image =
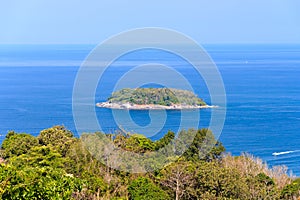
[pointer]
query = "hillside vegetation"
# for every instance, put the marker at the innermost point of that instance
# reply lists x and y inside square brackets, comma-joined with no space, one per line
[57,165]
[158,96]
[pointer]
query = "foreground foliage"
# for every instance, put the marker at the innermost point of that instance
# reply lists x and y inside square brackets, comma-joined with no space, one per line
[56,165]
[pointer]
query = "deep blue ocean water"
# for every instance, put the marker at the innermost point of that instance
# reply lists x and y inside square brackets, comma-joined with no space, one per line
[262,85]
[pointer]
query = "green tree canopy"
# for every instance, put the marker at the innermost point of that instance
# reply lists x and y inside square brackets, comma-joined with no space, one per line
[143,188]
[17,144]
[58,137]
[201,144]
[36,183]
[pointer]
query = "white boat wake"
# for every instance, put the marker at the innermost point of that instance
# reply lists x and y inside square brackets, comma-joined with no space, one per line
[284,152]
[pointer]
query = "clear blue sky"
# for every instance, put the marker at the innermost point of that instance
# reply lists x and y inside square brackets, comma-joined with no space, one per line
[91,21]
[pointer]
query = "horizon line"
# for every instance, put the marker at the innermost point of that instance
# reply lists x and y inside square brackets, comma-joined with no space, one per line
[219,43]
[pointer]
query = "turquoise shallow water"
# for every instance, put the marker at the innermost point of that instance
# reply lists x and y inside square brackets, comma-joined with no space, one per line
[262,85]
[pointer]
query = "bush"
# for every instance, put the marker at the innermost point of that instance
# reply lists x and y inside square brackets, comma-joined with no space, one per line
[291,191]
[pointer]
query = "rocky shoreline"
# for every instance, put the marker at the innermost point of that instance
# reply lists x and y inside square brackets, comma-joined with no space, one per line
[129,106]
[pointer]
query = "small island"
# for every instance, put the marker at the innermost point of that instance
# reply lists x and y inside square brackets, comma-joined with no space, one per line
[154,99]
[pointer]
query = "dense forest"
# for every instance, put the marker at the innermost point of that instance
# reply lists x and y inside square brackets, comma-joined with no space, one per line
[160,96]
[57,165]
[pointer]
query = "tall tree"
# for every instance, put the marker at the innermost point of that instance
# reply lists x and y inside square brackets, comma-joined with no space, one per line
[58,137]
[179,177]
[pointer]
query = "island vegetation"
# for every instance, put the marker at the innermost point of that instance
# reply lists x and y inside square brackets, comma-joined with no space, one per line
[160,96]
[56,165]
[153,98]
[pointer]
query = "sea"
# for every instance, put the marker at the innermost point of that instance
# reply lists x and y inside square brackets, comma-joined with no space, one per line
[262,84]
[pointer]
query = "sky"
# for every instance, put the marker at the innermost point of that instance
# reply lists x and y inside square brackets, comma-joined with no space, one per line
[92,21]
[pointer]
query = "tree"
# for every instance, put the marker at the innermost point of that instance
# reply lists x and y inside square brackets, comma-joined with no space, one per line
[218,182]
[58,137]
[143,188]
[40,156]
[36,183]
[79,160]
[165,140]
[17,144]
[179,177]
[139,144]
[202,147]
